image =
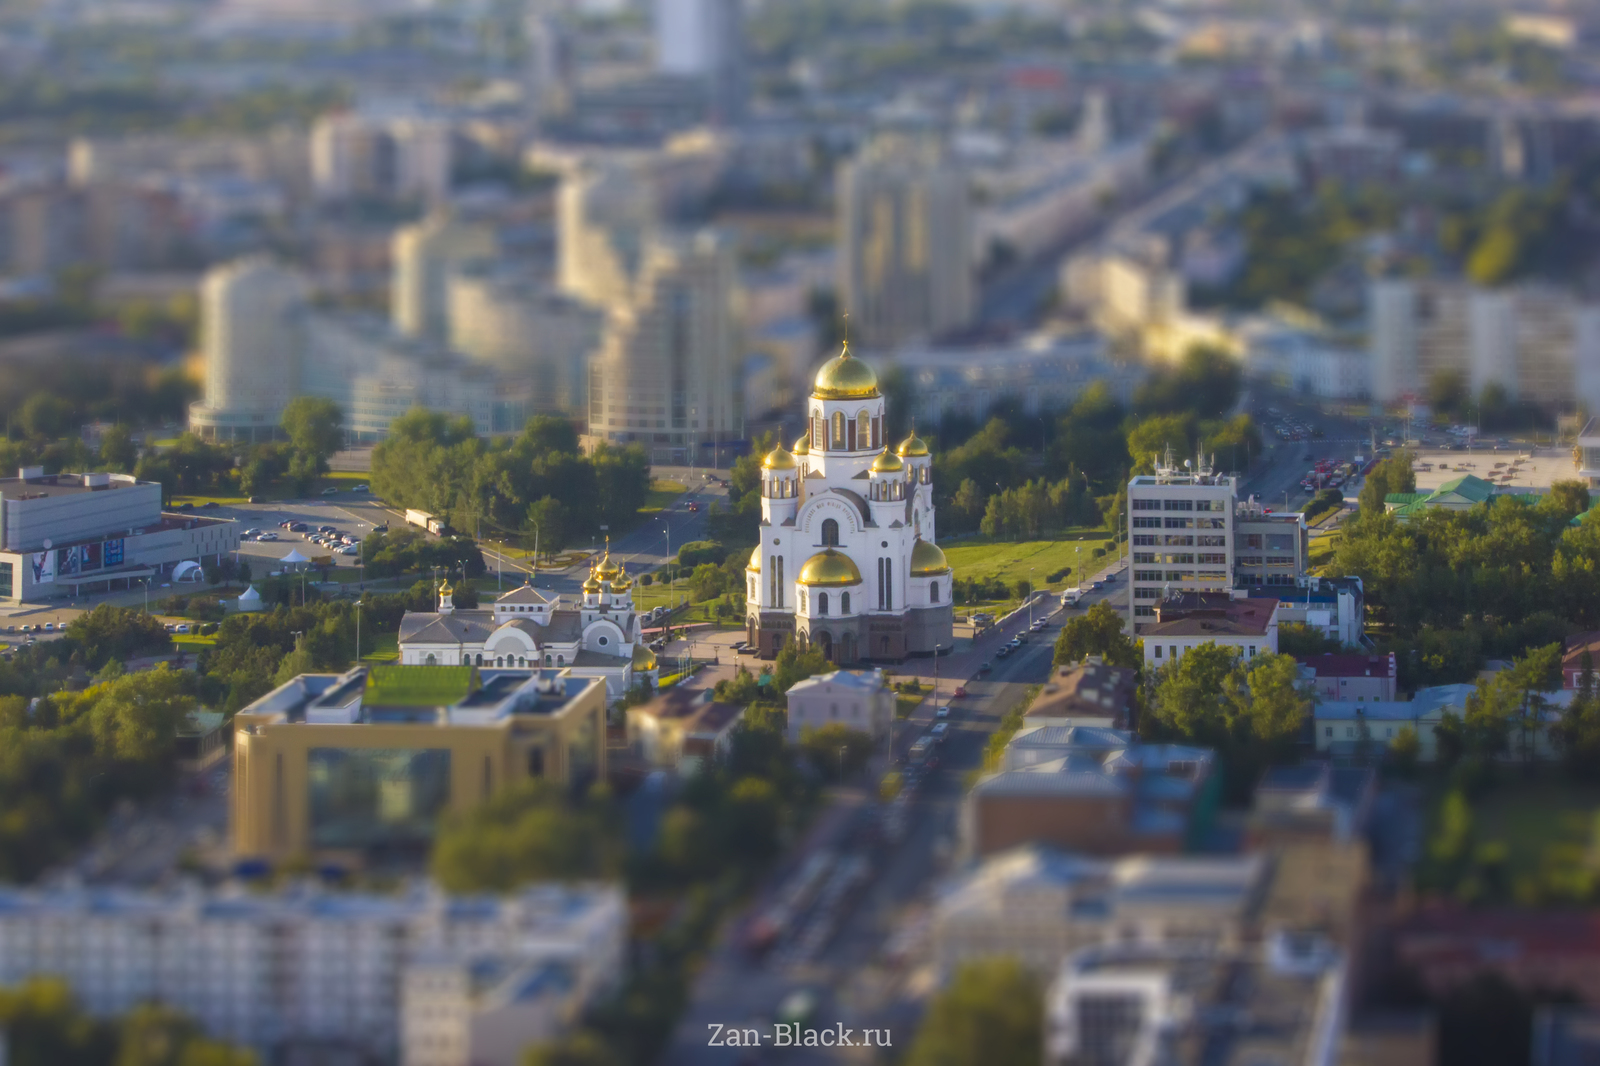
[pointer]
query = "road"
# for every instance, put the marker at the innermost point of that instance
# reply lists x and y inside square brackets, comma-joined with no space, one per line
[848,954]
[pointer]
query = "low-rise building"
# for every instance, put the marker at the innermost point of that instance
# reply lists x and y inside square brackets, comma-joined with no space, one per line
[1089,694]
[1572,652]
[1186,620]
[682,728]
[1314,801]
[1447,946]
[302,967]
[1282,1001]
[1344,727]
[1038,905]
[61,534]
[1333,606]
[857,699]
[372,758]
[1093,790]
[484,1008]
[1358,678]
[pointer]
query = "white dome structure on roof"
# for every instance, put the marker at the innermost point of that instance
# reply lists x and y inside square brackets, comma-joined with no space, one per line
[188,570]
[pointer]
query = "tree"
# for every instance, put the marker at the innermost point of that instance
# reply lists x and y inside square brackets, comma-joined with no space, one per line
[1296,638]
[532,832]
[822,745]
[751,817]
[1448,392]
[793,665]
[315,427]
[551,521]
[991,1014]
[1098,631]
[582,1048]
[118,453]
[46,416]
[1392,475]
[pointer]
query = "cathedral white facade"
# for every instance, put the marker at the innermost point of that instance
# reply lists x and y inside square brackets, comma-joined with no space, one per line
[847,560]
[526,628]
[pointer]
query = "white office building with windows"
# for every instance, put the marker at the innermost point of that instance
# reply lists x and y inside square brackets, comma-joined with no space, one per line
[1180,534]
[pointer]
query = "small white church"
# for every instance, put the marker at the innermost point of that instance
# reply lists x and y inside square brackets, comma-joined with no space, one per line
[526,628]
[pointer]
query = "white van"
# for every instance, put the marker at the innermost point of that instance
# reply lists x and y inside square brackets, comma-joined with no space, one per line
[1070,597]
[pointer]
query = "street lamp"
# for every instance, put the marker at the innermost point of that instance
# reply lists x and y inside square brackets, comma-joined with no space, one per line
[936,649]
[358,632]
[1031,569]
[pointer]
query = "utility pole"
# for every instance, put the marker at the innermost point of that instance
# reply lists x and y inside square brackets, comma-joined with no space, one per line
[358,632]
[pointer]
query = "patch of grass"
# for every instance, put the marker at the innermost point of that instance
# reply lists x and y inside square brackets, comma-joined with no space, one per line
[383,648]
[191,642]
[1012,560]
[905,703]
[662,492]
[1530,815]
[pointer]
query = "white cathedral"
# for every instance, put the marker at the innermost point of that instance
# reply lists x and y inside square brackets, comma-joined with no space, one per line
[847,561]
[527,628]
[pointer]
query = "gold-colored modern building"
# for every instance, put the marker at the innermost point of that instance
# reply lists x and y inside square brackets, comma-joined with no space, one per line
[370,760]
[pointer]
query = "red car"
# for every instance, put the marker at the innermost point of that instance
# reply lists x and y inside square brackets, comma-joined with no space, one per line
[694,507]
[961,690]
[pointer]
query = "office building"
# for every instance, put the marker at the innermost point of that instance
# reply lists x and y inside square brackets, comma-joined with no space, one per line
[857,699]
[1282,1001]
[1186,620]
[303,968]
[1333,606]
[425,256]
[1180,529]
[1539,342]
[525,628]
[869,509]
[1270,547]
[399,157]
[1038,905]
[1345,676]
[606,213]
[1094,791]
[549,65]
[525,330]
[371,759]
[114,225]
[904,243]
[252,333]
[667,373]
[64,533]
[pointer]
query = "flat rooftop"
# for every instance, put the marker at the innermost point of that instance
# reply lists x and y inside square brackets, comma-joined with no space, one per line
[41,486]
[419,695]
[1511,469]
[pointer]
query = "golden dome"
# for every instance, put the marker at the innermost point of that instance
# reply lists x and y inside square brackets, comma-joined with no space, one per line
[927,560]
[643,657]
[887,462]
[622,582]
[801,447]
[607,569]
[778,459]
[912,446]
[830,569]
[844,377]
[445,589]
[593,584]
[755,559]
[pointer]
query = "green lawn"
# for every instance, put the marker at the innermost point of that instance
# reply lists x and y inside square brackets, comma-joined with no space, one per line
[1529,815]
[191,642]
[662,493]
[1013,560]
[380,649]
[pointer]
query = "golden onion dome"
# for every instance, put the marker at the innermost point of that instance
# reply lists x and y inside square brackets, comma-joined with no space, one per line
[607,569]
[778,459]
[643,657]
[622,582]
[927,560]
[593,584]
[887,462]
[912,447]
[755,559]
[801,446]
[844,377]
[830,569]
[445,589]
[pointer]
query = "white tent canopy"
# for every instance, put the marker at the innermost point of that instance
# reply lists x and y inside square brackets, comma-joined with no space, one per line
[249,600]
[294,558]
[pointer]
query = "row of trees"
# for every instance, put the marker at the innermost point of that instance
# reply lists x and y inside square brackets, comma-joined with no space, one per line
[538,485]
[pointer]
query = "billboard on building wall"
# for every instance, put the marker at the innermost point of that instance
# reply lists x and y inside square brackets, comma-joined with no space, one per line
[66,561]
[113,552]
[89,557]
[44,567]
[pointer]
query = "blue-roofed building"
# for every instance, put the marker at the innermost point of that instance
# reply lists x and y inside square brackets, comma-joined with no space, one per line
[1094,790]
[1344,727]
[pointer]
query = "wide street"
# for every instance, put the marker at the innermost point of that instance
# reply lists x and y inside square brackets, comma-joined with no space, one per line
[858,947]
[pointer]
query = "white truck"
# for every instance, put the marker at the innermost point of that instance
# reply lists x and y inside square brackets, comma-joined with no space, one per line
[1070,597]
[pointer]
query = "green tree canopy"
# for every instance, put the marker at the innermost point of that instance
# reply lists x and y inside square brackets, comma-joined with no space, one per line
[1098,631]
[991,1014]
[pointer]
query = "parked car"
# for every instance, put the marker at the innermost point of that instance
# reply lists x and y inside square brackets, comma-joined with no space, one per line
[349,549]
[361,488]
[208,505]
[50,627]
[268,536]
[183,627]
[255,499]
[330,491]
[942,712]
[297,527]
[1004,650]
[325,529]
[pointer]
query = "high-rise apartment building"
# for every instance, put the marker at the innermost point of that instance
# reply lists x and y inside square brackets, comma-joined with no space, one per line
[400,157]
[1180,534]
[425,255]
[1541,343]
[905,244]
[525,330]
[666,375]
[704,39]
[252,333]
[606,213]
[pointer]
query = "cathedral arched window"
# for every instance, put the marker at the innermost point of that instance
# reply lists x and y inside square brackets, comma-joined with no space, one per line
[822,603]
[466,660]
[933,592]
[864,430]
[430,660]
[838,429]
[830,533]
[480,660]
[844,603]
